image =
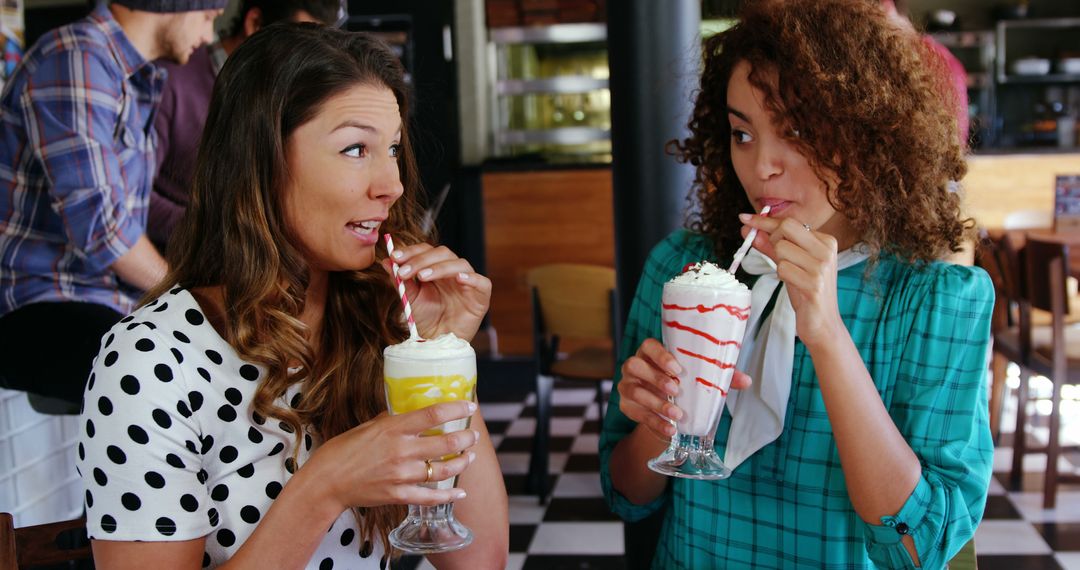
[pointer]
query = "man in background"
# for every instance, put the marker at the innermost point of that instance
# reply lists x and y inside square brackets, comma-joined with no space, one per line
[76,168]
[186,102]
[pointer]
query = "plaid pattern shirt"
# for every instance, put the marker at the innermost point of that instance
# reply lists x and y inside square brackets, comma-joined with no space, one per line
[76,165]
[923,335]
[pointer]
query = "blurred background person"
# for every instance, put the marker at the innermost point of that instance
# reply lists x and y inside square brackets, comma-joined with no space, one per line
[186,100]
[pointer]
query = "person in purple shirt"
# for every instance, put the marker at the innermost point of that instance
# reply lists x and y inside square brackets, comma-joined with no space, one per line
[186,100]
[76,167]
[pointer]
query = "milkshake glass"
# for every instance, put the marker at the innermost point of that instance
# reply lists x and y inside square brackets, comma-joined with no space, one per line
[704,313]
[420,373]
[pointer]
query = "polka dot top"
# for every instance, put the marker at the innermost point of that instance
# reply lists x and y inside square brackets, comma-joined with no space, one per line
[170,450]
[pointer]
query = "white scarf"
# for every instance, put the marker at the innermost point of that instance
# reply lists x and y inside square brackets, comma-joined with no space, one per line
[757,414]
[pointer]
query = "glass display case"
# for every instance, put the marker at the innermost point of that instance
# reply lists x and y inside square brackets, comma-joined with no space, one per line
[551,92]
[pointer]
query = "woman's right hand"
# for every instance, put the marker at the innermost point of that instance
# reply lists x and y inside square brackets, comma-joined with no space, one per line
[648,378]
[382,461]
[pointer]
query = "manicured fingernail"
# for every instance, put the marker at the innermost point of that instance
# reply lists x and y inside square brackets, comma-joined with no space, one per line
[674,413]
[476,435]
[745,217]
[472,407]
[672,388]
[463,276]
[674,368]
[472,457]
[460,495]
[404,270]
[398,254]
[425,273]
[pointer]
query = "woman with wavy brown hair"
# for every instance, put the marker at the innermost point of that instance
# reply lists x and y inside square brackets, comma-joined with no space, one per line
[862,439]
[238,417]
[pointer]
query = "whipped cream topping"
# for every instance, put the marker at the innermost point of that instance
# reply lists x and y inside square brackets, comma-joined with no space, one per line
[708,274]
[439,348]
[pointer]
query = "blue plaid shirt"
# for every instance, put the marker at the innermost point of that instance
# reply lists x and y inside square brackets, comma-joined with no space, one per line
[923,334]
[76,165]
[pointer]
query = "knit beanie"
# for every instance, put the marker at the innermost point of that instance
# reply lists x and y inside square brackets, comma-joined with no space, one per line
[172,5]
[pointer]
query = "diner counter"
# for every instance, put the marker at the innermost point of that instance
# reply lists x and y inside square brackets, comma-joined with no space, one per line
[998,184]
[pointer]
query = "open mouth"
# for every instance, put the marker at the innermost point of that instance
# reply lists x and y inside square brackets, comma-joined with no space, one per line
[365,228]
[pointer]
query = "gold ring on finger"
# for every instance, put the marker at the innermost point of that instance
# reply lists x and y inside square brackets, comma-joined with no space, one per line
[430,471]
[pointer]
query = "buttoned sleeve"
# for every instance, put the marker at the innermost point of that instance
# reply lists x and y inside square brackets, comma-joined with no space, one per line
[940,406]
[664,262]
[72,107]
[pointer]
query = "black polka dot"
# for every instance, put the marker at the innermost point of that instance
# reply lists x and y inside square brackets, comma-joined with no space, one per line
[100,477]
[246,471]
[220,492]
[250,514]
[133,326]
[104,406]
[228,454]
[194,317]
[307,441]
[144,345]
[90,382]
[174,460]
[347,537]
[202,475]
[160,308]
[214,356]
[295,402]
[130,501]
[207,442]
[382,563]
[110,358]
[365,549]
[206,560]
[138,434]
[204,373]
[234,396]
[108,340]
[176,354]
[116,455]
[227,413]
[176,290]
[181,337]
[191,446]
[249,372]
[257,418]
[127,319]
[165,526]
[108,523]
[286,427]
[277,449]
[89,499]
[154,479]
[161,418]
[290,465]
[189,503]
[182,409]
[82,451]
[226,538]
[129,384]
[163,372]
[196,400]
[90,429]
[255,435]
[326,564]
[272,489]
[212,516]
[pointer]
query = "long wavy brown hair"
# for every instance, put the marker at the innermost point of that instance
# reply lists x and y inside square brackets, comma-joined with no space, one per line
[235,236]
[870,103]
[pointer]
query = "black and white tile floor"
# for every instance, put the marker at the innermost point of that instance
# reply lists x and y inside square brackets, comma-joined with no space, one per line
[575,529]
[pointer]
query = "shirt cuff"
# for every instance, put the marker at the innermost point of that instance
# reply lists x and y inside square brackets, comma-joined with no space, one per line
[884,540]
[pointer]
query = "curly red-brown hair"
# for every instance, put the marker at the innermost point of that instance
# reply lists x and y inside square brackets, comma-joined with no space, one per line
[870,102]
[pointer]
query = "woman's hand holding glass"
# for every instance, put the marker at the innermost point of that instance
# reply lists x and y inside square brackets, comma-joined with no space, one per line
[447,295]
[806,264]
[648,379]
[385,460]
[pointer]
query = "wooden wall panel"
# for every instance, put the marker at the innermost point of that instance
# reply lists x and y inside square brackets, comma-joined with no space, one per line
[537,217]
[998,184]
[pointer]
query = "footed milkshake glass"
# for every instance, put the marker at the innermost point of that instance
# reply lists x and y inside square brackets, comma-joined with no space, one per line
[703,328]
[418,374]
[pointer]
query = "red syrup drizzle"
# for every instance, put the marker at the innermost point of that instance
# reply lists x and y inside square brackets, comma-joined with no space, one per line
[708,384]
[741,313]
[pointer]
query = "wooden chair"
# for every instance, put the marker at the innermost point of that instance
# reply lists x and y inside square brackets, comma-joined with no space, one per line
[43,544]
[572,303]
[1003,327]
[1056,356]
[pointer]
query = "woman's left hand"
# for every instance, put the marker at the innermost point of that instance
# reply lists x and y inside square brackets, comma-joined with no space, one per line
[445,293]
[806,263]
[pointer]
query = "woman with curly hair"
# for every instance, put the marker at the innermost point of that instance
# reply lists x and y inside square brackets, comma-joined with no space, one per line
[862,440]
[237,419]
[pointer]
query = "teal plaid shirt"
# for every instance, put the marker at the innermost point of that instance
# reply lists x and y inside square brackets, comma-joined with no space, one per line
[923,334]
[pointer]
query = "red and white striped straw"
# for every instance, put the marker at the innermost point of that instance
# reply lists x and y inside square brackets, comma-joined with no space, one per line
[401,288]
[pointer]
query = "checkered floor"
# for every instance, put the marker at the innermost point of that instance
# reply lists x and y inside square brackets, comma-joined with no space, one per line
[575,529]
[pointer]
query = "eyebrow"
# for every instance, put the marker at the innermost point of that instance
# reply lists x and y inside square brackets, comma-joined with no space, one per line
[737,113]
[355,125]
